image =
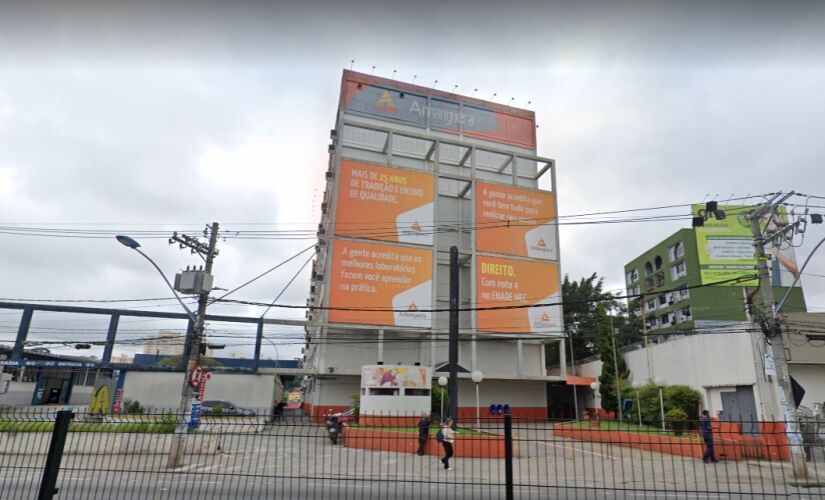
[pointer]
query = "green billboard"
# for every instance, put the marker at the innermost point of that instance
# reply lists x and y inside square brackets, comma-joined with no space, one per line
[726,251]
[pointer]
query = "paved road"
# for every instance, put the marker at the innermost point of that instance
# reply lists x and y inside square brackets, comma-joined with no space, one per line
[299,462]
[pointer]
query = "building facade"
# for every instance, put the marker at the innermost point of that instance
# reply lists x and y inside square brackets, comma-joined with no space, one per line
[668,290]
[413,172]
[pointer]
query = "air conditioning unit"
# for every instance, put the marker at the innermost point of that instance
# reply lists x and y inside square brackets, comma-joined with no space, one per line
[670,302]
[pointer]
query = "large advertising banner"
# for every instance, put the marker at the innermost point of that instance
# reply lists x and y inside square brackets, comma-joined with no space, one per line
[726,250]
[504,282]
[437,110]
[416,377]
[381,284]
[515,221]
[383,203]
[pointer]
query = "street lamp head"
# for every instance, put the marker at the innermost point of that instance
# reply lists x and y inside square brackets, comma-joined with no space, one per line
[477,376]
[637,384]
[442,381]
[659,381]
[127,241]
[595,386]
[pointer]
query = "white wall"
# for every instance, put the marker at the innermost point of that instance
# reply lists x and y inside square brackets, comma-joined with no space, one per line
[812,379]
[81,394]
[162,389]
[20,393]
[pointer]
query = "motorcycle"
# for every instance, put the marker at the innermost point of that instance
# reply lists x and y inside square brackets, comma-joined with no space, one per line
[333,428]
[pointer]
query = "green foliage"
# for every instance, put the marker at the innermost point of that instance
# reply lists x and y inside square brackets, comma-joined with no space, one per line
[435,400]
[132,407]
[178,360]
[675,419]
[217,410]
[355,405]
[685,398]
[676,397]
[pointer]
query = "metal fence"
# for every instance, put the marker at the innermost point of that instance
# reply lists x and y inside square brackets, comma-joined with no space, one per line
[127,456]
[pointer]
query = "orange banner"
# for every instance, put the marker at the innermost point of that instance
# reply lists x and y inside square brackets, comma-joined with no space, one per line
[511,282]
[393,282]
[383,203]
[515,221]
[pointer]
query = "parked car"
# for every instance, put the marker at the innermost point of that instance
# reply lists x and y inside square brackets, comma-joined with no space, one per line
[227,408]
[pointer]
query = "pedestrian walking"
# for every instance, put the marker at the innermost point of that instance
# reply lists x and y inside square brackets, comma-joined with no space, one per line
[707,436]
[423,432]
[447,437]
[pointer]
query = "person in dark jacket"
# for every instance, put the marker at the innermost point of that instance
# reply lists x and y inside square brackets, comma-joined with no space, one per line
[707,437]
[423,432]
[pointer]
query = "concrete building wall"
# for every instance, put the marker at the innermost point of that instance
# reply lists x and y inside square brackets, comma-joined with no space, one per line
[812,379]
[81,395]
[20,393]
[162,389]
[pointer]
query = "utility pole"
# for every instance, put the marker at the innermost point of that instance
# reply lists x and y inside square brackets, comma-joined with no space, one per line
[783,384]
[192,344]
[615,364]
[453,347]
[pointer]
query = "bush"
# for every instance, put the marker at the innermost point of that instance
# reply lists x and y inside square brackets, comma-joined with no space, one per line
[679,397]
[684,398]
[675,419]
[131,407]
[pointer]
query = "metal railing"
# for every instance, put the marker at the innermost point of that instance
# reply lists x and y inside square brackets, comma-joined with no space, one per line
[124,456]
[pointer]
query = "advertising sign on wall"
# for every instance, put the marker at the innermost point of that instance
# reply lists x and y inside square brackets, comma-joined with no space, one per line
[504,282]
[417,377]
[726,250]
[515,221]
[428,108]
[385,203]
[381,284]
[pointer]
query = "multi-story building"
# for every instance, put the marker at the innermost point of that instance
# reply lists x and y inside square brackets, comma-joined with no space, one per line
[164,343]
[414,171]
[673,295]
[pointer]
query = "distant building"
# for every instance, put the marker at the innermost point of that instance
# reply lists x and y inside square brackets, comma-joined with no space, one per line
[122,358]
[164,343]
[672,283]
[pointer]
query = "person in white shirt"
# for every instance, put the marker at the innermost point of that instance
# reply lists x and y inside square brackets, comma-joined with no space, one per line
[448,436]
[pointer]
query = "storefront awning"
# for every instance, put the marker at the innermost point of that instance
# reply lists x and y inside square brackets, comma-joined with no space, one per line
[576,380]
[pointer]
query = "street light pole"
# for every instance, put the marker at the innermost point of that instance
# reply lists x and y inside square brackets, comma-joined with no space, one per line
[659,383]
[442,381]
[477,377]
[192,343]
[638,385]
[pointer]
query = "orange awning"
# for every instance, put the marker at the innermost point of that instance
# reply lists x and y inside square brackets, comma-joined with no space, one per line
[576,380]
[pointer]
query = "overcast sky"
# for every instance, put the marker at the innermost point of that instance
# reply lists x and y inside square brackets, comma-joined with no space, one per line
[173,116]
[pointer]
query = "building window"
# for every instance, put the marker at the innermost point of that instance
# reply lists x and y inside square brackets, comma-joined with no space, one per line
[650,284]
[678,270]
[633,291]
[662,301]
[648,268]
[632,276]
[686,313]
[660,278]
[676,251]
[657,262]
[650,305]
[665,320]
[684,292]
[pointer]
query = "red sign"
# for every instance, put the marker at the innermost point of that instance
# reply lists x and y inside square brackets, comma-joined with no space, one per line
[204,376]
[118,400]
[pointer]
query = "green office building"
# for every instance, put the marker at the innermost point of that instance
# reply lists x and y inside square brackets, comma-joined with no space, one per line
[700,278]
